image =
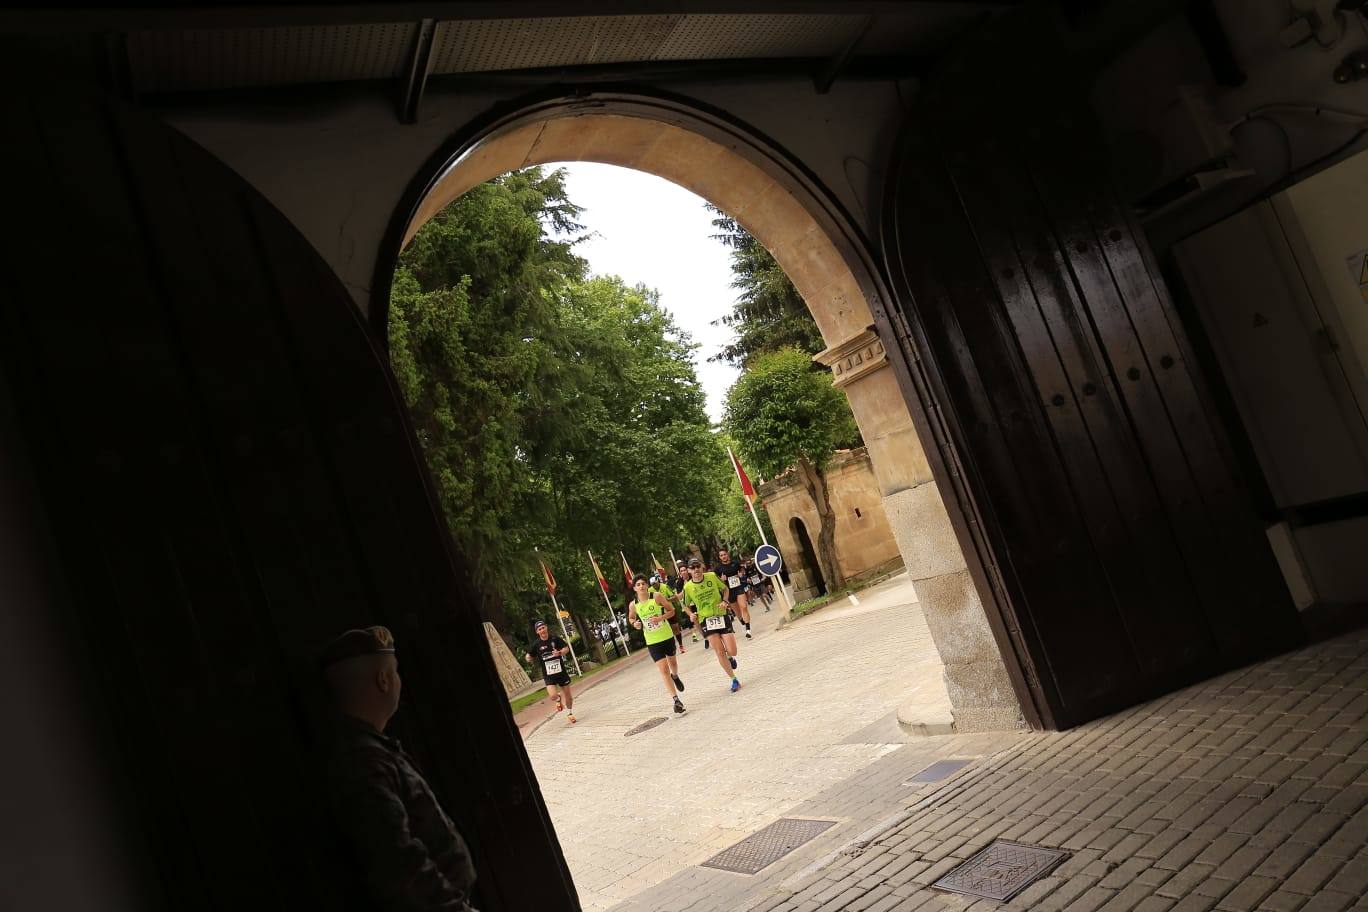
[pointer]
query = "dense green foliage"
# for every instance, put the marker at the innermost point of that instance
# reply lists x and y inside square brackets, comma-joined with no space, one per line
[557,412]
[769,315]
[783,414]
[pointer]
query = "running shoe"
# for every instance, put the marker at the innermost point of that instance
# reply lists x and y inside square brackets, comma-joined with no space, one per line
[678,706]
[748,636]
[679,685]
[736,685]
[559,705]
[571,717]
[732,659]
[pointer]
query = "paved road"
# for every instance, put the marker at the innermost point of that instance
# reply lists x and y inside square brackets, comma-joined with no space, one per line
[634,811]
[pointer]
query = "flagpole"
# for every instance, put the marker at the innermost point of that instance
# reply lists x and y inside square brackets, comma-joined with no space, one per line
[612,616]
[565,633]
[551,591]
[783,590]
[674,564]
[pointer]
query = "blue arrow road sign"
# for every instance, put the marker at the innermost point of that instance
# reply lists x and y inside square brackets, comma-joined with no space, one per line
[768,560]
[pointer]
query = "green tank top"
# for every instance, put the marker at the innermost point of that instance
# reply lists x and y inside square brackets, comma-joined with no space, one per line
[706,595]
[654,625]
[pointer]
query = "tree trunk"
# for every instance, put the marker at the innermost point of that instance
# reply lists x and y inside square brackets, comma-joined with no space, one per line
[589,634]
[815,481]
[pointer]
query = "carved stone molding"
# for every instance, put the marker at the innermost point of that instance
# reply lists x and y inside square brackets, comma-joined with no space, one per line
[853,358]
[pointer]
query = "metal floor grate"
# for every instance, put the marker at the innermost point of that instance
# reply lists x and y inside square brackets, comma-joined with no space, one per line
[764,847]
[939,770]
[644,726]
[1001,871]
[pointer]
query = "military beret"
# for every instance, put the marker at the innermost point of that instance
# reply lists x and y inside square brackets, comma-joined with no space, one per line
[353,643]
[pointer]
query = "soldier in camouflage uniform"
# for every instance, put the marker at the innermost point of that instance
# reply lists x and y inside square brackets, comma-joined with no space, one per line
[412,857]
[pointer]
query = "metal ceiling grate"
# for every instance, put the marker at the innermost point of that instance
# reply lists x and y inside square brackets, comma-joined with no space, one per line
[1001,871]
[764,847]
[232,58]
[485,45]
[517,44]
[704,37]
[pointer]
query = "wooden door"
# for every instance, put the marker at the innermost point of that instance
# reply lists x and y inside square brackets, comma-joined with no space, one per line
[1123,556]
[233,481]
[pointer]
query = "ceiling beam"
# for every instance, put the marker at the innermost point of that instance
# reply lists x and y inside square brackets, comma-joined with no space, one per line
[417,71]
[832,68]
[264,13]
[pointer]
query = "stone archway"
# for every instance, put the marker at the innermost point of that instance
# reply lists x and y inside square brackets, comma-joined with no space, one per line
[831,267]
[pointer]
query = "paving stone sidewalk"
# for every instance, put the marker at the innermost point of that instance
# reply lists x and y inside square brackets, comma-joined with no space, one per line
[1246,792]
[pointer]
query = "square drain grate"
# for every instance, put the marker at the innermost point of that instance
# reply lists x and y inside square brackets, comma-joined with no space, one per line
[1001,871]
[764,847]
[938,771]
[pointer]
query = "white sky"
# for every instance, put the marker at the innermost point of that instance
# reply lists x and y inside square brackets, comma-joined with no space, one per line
[649,230]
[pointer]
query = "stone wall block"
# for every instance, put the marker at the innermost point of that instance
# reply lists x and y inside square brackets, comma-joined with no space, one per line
[923,531]
[955,617]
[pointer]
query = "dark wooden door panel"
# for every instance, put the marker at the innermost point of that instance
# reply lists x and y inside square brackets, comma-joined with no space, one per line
[1130,560]
[233,481]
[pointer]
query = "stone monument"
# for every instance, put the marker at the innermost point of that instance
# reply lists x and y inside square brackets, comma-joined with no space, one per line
[514,678]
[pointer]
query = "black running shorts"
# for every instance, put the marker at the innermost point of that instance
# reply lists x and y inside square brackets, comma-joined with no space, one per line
[661,650]
[726,625]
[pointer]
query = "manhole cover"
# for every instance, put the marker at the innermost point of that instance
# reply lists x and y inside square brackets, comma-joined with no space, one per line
[645,726]
[1001,871]
[938,771]
[764,847]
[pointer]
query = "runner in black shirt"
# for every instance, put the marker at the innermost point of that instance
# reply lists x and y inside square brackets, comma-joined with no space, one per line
[728,570]
[551,652]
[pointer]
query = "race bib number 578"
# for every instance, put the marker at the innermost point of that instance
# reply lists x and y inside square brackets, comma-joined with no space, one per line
[716,622]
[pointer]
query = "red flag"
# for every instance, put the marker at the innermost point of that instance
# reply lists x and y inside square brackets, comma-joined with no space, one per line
[659,567]
[746,487]
[627,573]
[603,583]
[550,580]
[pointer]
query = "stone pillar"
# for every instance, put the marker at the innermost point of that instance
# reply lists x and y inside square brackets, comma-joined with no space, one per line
[981,694]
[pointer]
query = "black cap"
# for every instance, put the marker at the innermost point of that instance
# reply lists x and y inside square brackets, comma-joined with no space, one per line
[366,641]
[695,562]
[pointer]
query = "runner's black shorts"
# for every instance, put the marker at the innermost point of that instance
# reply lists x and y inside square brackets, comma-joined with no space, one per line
[560,680]
[661,650]
[733,593]
[727,628]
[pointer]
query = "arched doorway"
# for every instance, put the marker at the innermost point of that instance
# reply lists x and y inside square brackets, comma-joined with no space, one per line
[807,577]
[833,266]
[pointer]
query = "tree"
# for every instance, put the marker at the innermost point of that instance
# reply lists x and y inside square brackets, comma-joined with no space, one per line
[769,315]
[556,412]
[783,414]
[474,332]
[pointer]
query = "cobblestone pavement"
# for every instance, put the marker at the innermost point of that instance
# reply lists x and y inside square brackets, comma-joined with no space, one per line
[1246,792]
[816,707]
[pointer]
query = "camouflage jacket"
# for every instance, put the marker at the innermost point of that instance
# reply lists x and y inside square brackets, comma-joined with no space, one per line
[412,857]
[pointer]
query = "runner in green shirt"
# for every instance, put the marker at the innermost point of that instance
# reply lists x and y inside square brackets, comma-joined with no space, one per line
[650,613]
[658,584]
[709,596]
